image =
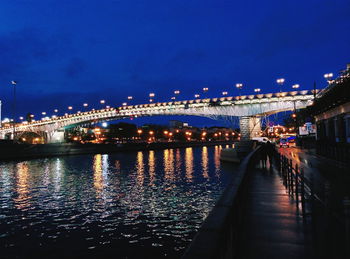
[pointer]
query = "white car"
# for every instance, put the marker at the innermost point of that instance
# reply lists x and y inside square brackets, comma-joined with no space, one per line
[261,139]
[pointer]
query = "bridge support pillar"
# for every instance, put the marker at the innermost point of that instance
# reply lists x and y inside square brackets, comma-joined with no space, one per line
[250,127]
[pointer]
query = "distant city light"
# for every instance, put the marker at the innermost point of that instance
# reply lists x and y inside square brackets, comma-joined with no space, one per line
[239,86]
[55,110]
[104,124]
[125,104]
[205,89]
[102,101]
[70,107]
[295,86]
[43,113]
[257,90]
[224,93]
[151,95]
[85,105]
[196,96]
[129,97]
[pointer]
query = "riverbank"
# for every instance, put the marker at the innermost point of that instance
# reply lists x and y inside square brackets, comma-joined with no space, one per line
[9,151]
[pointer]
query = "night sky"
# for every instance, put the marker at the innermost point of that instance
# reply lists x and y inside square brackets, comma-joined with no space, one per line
[69,52]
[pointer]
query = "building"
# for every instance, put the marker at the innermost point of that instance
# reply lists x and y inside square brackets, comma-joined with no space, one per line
[331,110]
[175,124]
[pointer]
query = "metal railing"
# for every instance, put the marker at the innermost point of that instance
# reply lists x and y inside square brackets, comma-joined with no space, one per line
[315,202]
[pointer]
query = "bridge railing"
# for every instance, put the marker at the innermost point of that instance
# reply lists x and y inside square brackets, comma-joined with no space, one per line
[219,233]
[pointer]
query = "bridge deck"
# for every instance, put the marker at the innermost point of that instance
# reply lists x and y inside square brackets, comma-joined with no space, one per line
[273,228]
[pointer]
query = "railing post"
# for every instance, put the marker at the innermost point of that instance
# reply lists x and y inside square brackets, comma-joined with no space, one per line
[291,177]
[346,203]
[302,190]
[297,185]
[312,198]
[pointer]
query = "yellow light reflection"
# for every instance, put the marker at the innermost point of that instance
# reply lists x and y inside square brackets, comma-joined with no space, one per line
[169,164]
[205,162]
[217,151]
[23,198]
[140,168]
[151,167]
[189,163]
[98,178]
[178,160]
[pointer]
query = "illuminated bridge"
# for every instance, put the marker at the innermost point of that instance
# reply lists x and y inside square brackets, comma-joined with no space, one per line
[249,109]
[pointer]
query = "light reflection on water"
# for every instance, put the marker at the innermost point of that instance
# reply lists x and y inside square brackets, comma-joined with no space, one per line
[151,202]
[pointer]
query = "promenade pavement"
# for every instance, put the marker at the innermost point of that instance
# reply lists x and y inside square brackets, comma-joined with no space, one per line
[272,227]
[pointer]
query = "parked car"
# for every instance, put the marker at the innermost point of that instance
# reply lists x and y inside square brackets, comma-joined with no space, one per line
[261,139]
[284,142]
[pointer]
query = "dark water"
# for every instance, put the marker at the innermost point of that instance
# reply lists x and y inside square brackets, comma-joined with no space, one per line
[124,205]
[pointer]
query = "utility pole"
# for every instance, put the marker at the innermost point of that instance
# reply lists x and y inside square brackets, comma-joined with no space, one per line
[314,90]
[14,83]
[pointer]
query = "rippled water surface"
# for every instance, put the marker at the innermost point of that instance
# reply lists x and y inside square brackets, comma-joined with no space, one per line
[147,203]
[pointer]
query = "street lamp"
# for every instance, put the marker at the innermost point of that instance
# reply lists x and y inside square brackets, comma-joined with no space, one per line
[173,98]
[129,97]
[125,104]
[55,110]
[280,81]
[176,92]
[205,89]
[257,90]
[151,97]
[328,77]
[102,102]
[224,93]
[196,96]
[295,86]
[14,83]
[239,86]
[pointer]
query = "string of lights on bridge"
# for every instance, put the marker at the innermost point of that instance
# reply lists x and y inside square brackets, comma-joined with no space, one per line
[152,97]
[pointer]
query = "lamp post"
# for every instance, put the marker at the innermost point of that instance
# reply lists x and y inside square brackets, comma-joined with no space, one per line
[14,83]
[295,86]
[328,77]
[257,90]
[239,86]
[102,102]
[224,93]
[176,92]
[151,97]
[280,82]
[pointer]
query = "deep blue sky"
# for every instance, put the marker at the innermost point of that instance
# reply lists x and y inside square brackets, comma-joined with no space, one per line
[69,52]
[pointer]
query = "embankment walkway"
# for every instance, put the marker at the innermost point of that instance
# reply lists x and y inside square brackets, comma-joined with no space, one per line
[272,225]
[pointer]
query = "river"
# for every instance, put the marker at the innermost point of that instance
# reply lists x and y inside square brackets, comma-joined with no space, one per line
[123,205]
